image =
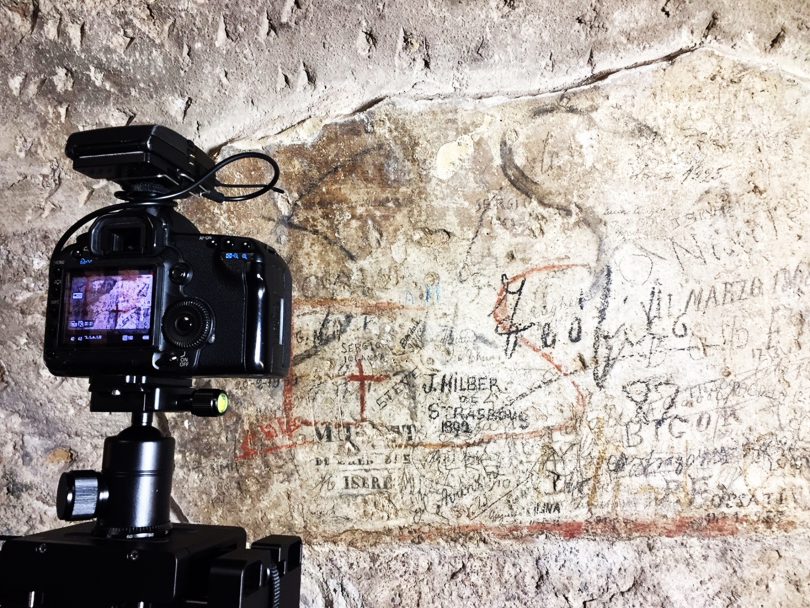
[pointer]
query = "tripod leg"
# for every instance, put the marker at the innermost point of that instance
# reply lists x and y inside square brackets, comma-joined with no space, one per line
[268,575]
[242,579]
[285,553]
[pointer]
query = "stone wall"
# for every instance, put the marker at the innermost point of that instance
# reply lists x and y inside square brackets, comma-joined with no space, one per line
[550,278]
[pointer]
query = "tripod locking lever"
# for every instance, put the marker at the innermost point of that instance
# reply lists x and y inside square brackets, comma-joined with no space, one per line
[80,495]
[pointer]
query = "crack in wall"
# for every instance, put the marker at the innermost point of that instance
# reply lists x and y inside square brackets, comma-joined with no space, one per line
[765,64]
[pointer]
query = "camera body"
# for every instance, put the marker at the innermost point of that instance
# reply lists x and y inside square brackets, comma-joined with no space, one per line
[141,303]
[144,293]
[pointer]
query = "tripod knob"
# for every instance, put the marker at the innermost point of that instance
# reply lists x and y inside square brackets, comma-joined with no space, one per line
[209,402]
[80,495]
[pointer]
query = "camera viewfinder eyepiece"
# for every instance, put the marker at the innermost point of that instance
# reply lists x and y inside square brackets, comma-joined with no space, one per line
[121,234]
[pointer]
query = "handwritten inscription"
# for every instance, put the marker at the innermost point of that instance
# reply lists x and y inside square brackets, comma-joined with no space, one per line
[545,336]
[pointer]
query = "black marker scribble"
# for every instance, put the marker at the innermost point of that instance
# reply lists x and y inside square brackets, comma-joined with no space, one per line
[508,327]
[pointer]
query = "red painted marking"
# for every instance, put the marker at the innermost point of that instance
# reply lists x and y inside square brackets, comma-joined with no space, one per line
[484,439]
[270,431]
[701,526]
[363,378]
[367,307]
[312,422]
[500,314]
[289,446]
[287,400]
[246,450]
[284,426]
[279,427]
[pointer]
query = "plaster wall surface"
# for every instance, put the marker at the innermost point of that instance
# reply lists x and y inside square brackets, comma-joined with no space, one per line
[550,273]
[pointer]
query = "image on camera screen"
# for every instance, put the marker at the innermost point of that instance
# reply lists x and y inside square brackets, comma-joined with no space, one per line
[110,307]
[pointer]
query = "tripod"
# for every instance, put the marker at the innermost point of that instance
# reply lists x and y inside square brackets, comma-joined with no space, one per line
[133,556]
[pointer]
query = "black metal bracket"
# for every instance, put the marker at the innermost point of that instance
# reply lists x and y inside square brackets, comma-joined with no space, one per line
[146,394]
[199,565]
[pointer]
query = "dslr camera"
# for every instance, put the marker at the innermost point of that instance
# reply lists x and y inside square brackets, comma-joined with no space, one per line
[143,292]
[141,303]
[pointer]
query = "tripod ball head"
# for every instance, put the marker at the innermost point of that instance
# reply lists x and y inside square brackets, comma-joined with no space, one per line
[131,496]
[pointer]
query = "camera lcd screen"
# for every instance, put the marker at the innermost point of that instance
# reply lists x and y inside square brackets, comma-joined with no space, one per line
[111,307]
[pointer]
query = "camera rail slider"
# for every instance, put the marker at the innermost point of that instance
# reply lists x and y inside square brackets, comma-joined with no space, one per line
[145,394]
[196,565]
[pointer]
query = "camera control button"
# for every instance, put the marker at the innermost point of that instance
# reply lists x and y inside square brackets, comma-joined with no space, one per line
[182,360]
[180,274]
[168,360]
[188,324]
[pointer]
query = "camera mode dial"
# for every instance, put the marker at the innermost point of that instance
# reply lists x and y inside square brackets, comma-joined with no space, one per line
[188,323]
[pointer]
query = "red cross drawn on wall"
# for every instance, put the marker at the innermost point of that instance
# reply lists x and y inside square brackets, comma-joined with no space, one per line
[364,378]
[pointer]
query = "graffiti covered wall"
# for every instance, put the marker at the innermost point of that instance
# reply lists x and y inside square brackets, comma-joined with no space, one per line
[552,334]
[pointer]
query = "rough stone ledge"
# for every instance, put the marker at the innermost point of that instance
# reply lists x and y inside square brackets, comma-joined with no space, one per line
[581,573]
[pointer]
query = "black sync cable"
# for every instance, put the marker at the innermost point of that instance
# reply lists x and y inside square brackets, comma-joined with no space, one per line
[147,199]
